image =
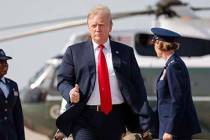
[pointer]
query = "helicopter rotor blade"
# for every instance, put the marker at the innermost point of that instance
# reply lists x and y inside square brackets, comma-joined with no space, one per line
[164,8]
[32,24]
[67,24]
[129,14]
[200,8]
[46,29]
[54,21]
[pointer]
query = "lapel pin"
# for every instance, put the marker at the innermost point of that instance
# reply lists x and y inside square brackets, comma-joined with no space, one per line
[15,93]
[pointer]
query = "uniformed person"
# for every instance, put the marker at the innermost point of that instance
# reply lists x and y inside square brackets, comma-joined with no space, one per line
[176,112]
[11,116]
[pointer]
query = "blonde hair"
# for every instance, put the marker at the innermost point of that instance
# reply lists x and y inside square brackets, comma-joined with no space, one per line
[168,46]
[100,9]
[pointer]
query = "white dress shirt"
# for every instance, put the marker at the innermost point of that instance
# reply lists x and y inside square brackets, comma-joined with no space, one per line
[4,87]
[115,91]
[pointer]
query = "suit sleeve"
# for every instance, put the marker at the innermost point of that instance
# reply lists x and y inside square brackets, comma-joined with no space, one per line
[138,83]
[66,75]
[18,118]
[176,82]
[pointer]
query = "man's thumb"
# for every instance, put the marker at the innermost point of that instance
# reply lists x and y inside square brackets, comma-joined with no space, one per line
[76,86]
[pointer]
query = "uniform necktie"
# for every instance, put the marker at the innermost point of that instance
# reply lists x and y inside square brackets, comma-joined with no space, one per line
[104,86]
[4,88]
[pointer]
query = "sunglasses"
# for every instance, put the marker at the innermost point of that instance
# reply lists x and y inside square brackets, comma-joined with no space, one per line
[154,38]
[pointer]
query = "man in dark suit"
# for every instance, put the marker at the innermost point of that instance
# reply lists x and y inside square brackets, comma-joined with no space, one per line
[103,86]
[177,115]
[11,116]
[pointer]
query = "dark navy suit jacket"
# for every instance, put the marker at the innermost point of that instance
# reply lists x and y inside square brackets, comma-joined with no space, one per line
[176,111]
[78,66]
[11,116]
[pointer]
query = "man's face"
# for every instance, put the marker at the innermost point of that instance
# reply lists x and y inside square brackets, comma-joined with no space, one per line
[3,67]
[99,26]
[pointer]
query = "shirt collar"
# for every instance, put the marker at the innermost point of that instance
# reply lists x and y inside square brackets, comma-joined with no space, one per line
[170,58]
[106,45]
[3,79]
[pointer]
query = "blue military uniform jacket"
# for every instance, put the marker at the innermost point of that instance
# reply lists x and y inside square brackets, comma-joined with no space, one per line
[176,112]
[11,116]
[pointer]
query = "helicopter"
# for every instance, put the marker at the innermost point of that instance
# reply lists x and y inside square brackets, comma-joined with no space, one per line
[42,97]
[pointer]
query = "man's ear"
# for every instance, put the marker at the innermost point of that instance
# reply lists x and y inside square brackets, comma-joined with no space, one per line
[111,27]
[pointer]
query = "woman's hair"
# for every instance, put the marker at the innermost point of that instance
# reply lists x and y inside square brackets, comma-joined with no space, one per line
[168,46]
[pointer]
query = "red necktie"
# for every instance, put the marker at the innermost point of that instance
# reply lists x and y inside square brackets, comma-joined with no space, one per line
[104,86]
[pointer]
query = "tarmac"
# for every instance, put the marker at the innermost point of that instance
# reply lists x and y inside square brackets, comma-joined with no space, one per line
[30,135]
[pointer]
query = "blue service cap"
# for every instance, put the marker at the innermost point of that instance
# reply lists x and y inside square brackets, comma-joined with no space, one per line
[3,55]
[165,34]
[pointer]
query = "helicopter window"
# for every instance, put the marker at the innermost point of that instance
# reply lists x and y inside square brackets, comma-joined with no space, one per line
[143,45]
[189,46]
[38,74]
[35,95]
[194,47]
[48,78]
[44,77]
[55,82]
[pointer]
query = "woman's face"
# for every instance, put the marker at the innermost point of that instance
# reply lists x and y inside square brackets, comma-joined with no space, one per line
[3,67]
[157,50]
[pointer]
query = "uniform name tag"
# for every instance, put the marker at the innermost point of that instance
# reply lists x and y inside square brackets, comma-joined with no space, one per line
[15,93]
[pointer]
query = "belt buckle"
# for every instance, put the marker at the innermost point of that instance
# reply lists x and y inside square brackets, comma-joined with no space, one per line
[98,108]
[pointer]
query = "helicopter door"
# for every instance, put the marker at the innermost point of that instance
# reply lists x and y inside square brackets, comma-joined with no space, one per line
[53,97]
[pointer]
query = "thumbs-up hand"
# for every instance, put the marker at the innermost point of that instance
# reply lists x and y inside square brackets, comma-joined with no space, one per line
[74,94]
[59,135]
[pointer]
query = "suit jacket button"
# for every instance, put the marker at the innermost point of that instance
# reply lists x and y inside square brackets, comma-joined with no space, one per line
[5,110]
[5,118]
[6,101]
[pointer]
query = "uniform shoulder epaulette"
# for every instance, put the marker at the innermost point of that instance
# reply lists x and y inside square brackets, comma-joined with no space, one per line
[171,62]
[175,65]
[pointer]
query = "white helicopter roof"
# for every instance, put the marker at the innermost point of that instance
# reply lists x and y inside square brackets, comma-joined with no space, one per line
[187,27]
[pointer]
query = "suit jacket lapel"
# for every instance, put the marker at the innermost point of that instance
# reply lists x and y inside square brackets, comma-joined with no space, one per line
[91,57]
